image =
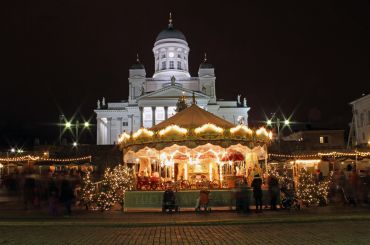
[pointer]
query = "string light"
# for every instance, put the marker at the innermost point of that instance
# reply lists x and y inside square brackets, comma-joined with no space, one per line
[241,129]
[167,134]
[124,137]
[323,154]
[208,127]
[142,133]
[262,131]
[173,129]
[39,159]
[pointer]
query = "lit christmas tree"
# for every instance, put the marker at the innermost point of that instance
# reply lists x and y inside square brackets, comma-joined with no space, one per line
[308,190]
[106,199]
[88,191]
[114,186]
[122,180]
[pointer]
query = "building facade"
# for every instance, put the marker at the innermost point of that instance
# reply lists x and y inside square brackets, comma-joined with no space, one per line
[153,99]
[360,126]
[314,140]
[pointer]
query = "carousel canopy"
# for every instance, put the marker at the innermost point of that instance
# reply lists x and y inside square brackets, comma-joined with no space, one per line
[193,117]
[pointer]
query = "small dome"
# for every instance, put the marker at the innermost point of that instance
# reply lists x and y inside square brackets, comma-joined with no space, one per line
[137,66]
[205,65]
[170,32]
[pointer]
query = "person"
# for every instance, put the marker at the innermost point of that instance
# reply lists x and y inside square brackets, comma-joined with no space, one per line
[66,196]
[169,200]
[273,185]
[29,191]
[202,200]
[53,197]
[257,191]
[242,199]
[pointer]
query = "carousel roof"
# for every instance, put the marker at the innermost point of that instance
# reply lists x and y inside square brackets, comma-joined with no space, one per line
[193,117]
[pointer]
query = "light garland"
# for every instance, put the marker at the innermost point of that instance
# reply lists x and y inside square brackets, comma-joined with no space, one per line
[241,128]
[304,161]
[208,127]
[123,137]
[262,131]
[323,154]
[173,128]
[37,158]
[143,132]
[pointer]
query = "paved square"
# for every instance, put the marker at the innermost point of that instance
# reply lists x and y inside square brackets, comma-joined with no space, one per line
[340,232]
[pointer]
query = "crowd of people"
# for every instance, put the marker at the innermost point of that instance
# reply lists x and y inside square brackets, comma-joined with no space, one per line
[46,189]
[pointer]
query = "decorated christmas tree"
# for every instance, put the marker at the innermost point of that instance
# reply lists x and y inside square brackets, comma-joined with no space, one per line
[308,190]
[113,187]
[121,180]
[88,191]
[105,198]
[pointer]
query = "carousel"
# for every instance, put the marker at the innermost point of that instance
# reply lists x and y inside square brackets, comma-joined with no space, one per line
[194,149]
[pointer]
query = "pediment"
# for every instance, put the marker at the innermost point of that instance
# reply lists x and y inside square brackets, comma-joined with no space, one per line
[172,91]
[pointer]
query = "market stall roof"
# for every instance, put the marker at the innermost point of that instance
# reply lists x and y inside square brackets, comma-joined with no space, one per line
[193,117]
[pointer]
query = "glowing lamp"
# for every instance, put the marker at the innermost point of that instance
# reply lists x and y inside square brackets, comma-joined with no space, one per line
[86,124]
[68,124]
[269,122]
[286,122]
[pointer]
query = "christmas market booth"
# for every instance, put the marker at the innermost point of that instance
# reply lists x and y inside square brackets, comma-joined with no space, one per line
[44,164]
[192,150]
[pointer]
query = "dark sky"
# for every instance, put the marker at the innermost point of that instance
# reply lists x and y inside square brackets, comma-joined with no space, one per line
[306,57]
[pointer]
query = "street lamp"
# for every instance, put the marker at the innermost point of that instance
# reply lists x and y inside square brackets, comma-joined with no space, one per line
[279,122]
[69,125]
[12,150]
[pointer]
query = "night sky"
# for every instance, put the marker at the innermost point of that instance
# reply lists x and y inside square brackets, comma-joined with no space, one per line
[308,59]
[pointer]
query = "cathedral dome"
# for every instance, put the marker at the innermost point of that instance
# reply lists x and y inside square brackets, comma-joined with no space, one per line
[205,64]
[170,32]
[137,66]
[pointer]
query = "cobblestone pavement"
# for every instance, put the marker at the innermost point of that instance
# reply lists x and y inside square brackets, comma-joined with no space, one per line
[344,232]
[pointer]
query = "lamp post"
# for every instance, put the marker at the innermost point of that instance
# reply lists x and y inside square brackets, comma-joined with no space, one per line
[278,122]
[69,125]
[61,119]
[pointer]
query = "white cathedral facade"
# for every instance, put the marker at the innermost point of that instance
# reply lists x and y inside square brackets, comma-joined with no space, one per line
[153,99]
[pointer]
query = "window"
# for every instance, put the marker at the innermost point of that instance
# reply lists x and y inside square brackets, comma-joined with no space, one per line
[163,56]
[125,124]
[178,55]
[179,65]
[172,65]
[324,139]
[163,65]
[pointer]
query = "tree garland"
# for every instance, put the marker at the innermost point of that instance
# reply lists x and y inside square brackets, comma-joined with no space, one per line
[88,191]
[115,183]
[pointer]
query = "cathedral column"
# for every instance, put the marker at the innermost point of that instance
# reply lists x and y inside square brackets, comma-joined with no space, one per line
[165,112]
[153,115]
[141,116]
[120,119]
[131,123]
[109,133]
[98,131]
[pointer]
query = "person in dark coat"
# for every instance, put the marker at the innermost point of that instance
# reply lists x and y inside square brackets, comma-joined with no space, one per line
[29,191]
[257,191]
[66,195]
[273,184]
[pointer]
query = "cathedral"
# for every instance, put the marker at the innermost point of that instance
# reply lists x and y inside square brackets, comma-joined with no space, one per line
[153,99]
